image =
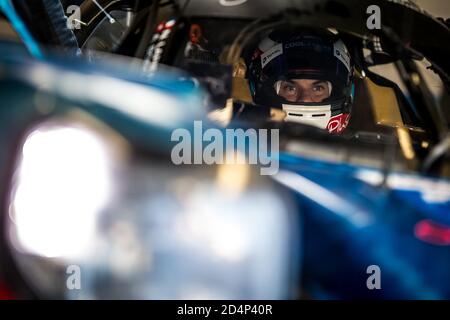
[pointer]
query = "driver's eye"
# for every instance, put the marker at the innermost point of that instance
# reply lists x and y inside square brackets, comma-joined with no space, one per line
[318,89]
[290,88]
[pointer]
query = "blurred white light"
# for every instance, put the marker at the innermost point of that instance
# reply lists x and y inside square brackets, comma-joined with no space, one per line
[247,236]
[222,234]
[62,182]
[141,101]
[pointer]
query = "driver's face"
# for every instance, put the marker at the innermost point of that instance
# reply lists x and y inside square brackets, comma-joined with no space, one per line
[303,90]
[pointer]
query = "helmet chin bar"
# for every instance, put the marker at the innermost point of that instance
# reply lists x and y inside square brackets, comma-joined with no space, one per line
[318,116]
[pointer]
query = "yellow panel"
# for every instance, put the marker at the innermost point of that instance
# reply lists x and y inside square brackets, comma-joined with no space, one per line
[404,139]
[240,88]
[384,104]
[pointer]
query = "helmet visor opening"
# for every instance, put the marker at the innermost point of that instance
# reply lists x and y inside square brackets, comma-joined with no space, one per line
[303,90]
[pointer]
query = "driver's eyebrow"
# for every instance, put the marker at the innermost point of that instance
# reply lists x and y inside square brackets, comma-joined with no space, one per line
[290,81]
[318,82]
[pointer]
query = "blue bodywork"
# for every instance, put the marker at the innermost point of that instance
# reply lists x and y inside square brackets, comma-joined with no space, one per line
[366,225]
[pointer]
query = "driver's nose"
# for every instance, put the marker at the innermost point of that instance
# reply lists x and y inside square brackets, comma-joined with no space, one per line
[304,91]
[304,98]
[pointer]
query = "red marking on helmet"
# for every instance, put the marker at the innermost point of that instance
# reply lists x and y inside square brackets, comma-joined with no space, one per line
[432,232]
[338,123]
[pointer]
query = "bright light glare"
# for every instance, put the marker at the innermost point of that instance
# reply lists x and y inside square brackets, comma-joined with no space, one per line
[141,102]
[222,234]
[63,181]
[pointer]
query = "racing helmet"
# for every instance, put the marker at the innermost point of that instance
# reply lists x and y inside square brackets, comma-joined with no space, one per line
[307,73]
